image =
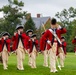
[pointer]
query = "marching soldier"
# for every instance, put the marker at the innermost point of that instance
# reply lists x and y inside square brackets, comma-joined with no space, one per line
[74,42]
[20,41]
[62,55]
[33,44]
[53,35]
[5,48]
[46,52]
[29,33]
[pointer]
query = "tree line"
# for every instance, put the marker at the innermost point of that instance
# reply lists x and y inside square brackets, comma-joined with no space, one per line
[13,14]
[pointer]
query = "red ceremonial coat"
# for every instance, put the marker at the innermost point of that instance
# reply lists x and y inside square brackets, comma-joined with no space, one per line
[74,42]
[47,46]
[32,44]
[64,44]
[7,42]
[43,43]
[49,36]
[24,39]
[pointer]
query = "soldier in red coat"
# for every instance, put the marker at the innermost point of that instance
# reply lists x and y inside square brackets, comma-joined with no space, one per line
[20,42]
[62,55]
[33,48]
[52,35]
[29,33]
[46,52]
[74,42]
[5,48]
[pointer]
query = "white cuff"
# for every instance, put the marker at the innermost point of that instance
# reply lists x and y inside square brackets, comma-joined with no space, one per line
[48,41]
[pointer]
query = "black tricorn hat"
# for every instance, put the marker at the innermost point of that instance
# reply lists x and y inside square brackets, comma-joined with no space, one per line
[5,33]
[33,35]
[53,21]
[19,26]
[29,30]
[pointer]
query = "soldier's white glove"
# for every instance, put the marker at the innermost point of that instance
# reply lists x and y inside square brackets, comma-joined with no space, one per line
[59,27]
[4,38]
[15,33]
[48,42]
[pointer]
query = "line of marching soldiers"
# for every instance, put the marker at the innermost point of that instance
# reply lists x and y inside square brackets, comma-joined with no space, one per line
[52,45]
[21,43]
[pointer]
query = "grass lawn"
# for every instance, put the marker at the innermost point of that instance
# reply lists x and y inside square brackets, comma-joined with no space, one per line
[69,69]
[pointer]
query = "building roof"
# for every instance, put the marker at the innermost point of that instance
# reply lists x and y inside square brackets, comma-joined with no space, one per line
[38,21]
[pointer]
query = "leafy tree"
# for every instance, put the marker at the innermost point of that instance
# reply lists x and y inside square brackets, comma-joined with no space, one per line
[43,27]
[66,17]
[12,15]
[29,24]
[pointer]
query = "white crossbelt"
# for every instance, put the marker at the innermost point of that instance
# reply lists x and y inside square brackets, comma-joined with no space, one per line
[55,35]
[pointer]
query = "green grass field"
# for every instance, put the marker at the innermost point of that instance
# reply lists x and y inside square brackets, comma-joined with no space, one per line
[69,69]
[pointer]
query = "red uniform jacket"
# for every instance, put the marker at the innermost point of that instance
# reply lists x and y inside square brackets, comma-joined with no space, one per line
[43,43]
[64,44]
[74,42]
[31,44]
[49,35]
[48,46]
[24,39]
[7,42]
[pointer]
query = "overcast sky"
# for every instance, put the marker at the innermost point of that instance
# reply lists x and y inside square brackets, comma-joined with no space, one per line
[44,7]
